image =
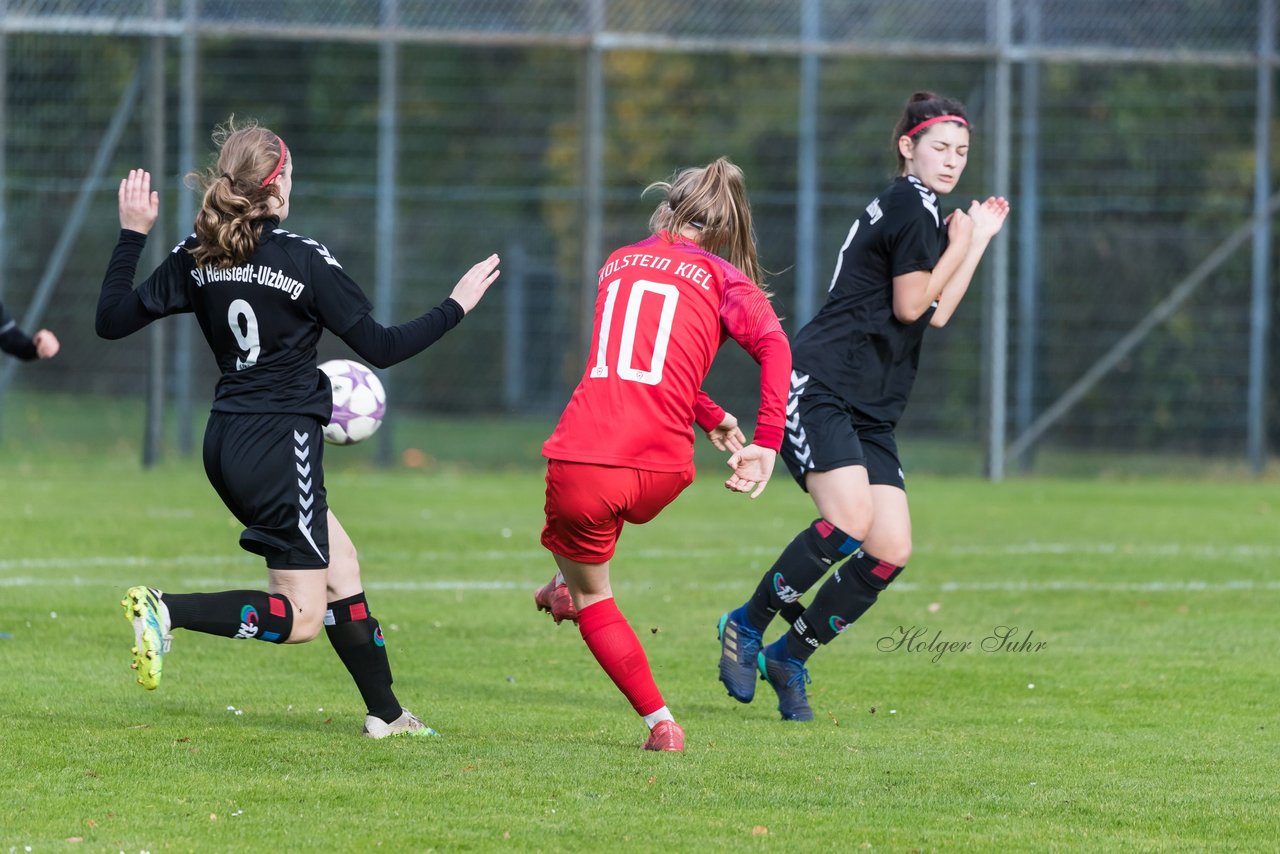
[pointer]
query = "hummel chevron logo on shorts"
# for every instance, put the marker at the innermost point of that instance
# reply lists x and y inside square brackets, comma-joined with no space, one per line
[795,433]
[302,450]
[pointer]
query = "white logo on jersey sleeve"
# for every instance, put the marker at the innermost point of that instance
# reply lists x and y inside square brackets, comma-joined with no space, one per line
[321,249]
[927,198]
[874,212]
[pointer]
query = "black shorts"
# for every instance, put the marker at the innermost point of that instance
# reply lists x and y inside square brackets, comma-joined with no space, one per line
[824,432]
[268,471]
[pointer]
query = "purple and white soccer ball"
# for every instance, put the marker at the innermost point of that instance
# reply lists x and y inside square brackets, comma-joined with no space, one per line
[359,402]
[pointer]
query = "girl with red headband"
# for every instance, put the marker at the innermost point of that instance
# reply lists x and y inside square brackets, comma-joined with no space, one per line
[262,446]
[904,266]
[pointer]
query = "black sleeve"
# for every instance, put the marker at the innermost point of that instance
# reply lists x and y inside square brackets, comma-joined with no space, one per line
[914,245]
[13,340]
[384,346]
[120,309]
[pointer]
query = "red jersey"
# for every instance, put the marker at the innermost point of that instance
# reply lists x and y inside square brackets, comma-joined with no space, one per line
[663,309]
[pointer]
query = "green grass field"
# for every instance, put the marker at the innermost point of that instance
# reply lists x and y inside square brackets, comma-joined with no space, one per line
[1145,722]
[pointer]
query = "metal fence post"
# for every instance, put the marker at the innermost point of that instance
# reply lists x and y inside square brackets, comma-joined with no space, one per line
[1027,216]
[998,365]
[592,168]
[1260,281]
[153,431]
[184,327]
[385,290]
[807,165]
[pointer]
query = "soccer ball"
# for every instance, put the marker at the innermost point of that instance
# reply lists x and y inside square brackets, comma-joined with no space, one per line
[359,402]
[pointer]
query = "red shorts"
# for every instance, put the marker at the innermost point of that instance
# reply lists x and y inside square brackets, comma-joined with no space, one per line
[587,504]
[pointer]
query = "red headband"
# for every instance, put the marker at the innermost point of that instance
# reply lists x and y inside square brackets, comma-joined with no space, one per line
[933,121]
[284,152]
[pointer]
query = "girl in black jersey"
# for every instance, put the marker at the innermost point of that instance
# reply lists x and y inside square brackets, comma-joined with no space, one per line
[262,296]
[903,267]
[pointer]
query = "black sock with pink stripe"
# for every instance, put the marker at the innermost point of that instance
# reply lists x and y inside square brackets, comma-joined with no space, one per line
[232,614]
[357,638]
[806,559]
[841,600]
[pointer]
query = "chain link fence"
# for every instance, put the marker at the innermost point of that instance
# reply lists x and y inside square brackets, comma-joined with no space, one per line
[1127,307]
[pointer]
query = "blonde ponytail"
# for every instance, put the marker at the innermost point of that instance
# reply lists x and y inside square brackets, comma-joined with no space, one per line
[712,200]
[238,194]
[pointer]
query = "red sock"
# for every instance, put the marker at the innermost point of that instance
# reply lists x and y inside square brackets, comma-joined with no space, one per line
[618,650]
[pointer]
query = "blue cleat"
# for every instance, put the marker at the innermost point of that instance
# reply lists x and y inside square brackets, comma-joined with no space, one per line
[739,646]
[788,677]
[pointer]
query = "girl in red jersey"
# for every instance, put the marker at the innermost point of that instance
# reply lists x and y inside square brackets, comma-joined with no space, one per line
[904,267]
[623,449]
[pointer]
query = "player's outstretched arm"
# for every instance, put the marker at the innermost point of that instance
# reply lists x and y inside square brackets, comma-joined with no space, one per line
[472,286]
[752,467]
[139,204]
[384,346]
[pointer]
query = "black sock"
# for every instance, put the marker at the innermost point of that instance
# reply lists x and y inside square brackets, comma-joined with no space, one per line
[845,597]
[805,559]
[357,638]
[232,614]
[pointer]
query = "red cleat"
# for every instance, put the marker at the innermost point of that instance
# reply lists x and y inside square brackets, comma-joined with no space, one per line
[555,599]
[666,735]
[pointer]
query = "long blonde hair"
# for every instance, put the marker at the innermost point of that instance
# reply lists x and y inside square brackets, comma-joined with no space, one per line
[238,193]
[711,199]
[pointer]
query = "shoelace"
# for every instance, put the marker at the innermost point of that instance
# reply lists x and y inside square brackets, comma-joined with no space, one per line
[799,679]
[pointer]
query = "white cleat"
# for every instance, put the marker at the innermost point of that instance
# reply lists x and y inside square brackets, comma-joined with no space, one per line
[407,724]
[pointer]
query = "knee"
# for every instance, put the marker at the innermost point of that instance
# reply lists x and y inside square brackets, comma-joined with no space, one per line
[342,579]
[896,552]
[306,625]
[854,517]
[343,554]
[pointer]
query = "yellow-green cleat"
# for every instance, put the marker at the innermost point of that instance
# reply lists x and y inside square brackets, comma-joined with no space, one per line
[144,608]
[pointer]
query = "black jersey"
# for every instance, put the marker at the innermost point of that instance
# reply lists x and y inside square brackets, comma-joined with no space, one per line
[854,345]
[263,318]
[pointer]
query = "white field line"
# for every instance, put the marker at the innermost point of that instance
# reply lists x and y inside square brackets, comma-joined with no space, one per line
[458,585]
[722,556]
[246,569]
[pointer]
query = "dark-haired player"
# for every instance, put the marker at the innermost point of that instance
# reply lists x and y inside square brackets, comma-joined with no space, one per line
[904,266]
[262,296]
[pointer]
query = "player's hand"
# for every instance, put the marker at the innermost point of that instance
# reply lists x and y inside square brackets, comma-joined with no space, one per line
[988,217]
[727,436]
[959,228]
[139,204]
[751,469]
[471,287]
[47,345]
